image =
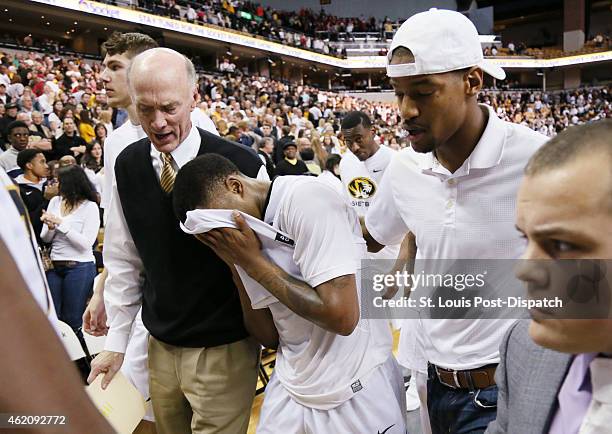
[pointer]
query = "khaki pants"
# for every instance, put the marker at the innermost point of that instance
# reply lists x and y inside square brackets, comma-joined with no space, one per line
[202,390]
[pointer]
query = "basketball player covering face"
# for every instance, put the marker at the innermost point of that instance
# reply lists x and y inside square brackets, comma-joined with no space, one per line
[334,371]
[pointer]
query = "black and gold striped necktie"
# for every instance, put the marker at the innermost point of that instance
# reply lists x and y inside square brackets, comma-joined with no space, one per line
[168,174]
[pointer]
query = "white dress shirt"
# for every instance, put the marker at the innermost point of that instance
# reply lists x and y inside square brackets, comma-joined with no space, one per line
[468,214]
[122,291]
[129,133]
[117,141]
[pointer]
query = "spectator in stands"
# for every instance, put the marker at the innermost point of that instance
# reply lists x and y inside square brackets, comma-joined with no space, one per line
[32,184]
[55,120]
[35,140]
[287,137]
[18,138]
[67,160]
[307,155]
[328,144]
[93,158]
[266,148]
[247,137]
[26,105]
[191,14]
[45,101]
[69,143]
[5,98]
[106,120]
[267,128]
[290,164]
[320,153]
[37,127]
[233,133]
[16,89]
[101,134]
[86,129]
[71,224]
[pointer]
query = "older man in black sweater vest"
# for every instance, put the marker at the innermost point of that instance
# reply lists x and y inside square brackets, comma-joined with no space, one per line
[202,364]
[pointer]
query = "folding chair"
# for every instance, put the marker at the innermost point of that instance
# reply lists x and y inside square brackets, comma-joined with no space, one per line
[71,342]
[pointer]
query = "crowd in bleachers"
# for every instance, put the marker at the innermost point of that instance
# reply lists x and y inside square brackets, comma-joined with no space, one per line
[551,113]
[44,91]
[597,43]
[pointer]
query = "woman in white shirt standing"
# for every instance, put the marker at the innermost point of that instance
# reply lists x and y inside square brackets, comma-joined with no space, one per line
[71,226]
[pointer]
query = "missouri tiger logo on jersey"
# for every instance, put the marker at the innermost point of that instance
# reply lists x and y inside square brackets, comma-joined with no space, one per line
[362,188]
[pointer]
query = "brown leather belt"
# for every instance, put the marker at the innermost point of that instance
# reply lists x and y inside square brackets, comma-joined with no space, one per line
[479,378]
[64,263]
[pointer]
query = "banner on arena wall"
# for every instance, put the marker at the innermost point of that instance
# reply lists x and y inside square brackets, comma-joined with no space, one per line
[510,62]
[205,31]
[230,37]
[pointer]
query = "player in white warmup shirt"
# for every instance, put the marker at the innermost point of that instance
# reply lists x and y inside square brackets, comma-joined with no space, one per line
[361,171]
[119,50]
[334,371]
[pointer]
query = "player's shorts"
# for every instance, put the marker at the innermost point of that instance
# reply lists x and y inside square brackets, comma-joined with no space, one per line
[378,407]
[135,366]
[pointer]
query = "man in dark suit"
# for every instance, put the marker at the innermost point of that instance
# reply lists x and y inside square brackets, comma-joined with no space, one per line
[555,374]
[202,363]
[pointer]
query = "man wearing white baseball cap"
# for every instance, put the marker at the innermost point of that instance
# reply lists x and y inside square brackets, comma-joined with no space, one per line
[455,190]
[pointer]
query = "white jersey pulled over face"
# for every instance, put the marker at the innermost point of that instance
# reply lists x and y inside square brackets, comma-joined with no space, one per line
[320,241]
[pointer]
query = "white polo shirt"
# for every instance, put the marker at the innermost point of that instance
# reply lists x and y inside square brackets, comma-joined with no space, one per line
[468,214]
